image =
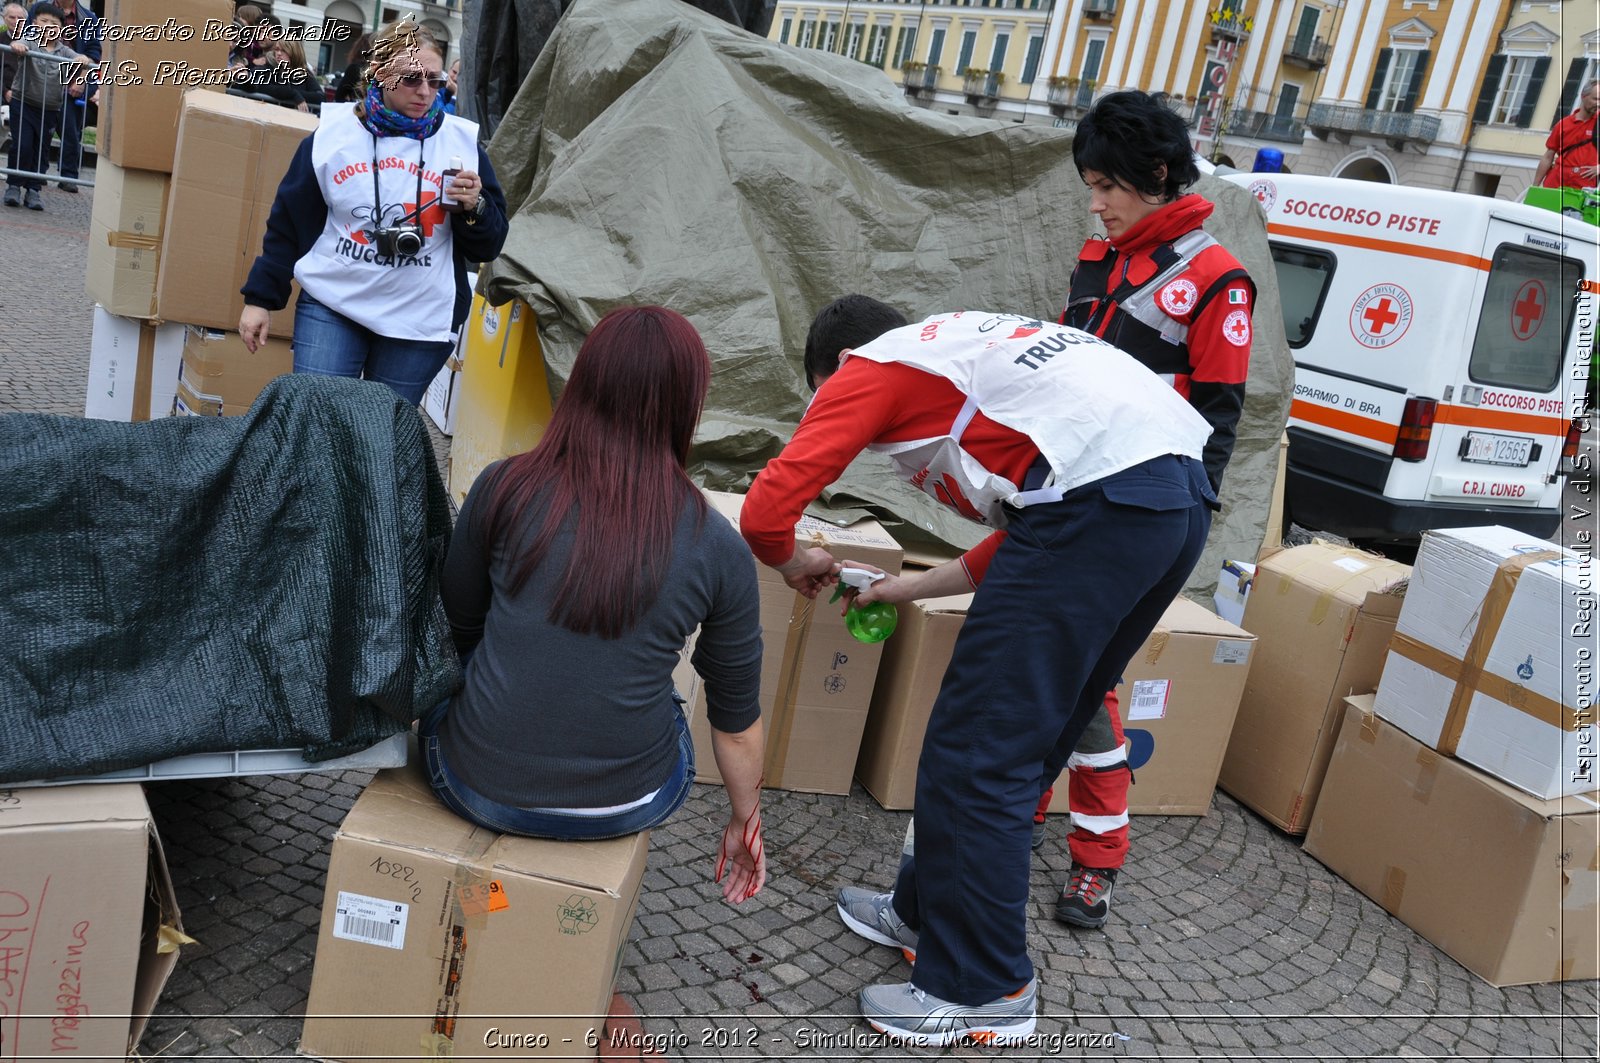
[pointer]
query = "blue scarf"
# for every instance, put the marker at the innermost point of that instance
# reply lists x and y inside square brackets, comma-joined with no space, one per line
[383,122]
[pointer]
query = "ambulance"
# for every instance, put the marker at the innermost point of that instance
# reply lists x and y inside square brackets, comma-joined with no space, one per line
[1442,344]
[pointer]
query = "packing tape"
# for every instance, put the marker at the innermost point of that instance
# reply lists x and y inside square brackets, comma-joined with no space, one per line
[1156,644]
[1394,890]
[1369,727]
[129,241]
[143,374]
[470,872]
[1427,773]
[1564,968]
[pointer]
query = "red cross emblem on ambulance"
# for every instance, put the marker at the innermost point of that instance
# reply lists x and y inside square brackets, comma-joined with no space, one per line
[1527,310]
[1380,315]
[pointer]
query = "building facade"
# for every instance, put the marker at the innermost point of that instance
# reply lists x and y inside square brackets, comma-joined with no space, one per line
[340,22]
[1455,94]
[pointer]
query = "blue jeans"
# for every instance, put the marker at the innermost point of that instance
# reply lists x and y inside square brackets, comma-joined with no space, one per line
[563,826]
[330,344]
[1070,595]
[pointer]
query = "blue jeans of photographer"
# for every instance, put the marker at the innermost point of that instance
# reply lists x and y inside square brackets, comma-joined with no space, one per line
[328,343]
[553,823]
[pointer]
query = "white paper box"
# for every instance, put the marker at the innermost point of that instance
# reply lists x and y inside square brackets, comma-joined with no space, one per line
[1233,590]
[118,368]
[1530,717]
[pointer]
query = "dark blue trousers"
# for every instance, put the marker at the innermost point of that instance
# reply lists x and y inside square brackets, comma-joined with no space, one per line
[1071,594]
[34,127]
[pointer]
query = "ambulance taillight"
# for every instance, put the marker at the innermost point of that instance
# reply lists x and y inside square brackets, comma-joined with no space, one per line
[1416,429]
[1569,449]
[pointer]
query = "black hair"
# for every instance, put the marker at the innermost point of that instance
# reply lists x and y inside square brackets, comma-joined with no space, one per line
[848,322]
[47,9]
[1130,136]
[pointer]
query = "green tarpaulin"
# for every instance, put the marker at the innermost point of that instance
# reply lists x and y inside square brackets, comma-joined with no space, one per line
[656,154]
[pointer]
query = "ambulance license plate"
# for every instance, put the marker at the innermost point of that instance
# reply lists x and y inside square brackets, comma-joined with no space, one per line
[1487,448]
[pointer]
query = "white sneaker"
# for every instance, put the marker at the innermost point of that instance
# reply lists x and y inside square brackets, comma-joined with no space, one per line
[909,1014]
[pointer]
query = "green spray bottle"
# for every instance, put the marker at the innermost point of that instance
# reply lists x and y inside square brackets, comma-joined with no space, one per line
[867,623]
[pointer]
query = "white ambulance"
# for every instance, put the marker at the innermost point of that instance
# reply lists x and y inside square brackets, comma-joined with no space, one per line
[1441,344]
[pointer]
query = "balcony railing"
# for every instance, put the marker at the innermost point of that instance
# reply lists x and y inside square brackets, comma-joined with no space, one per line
[1312,54]
[1397,127]
[1065,99]
[982,86]
[1100,8]
[1264,125]
[920,79]
[1230,23]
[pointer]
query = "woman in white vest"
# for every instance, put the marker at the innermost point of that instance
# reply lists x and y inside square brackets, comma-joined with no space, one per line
[375,230]
[1089,467]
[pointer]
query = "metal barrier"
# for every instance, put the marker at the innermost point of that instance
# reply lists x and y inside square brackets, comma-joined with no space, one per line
[42,106]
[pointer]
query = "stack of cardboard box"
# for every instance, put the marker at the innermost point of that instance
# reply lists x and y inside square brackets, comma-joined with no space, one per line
[1474,762]
[184,179]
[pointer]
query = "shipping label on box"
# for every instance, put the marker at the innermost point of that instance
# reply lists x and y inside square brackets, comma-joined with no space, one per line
[1484,653]
[231,155]
[816,680]
[139,106]
[125,239]
[86,910]
[1178,699]
[133,368]
[1323,615]
[1408,826]
[220,376]
[478,939]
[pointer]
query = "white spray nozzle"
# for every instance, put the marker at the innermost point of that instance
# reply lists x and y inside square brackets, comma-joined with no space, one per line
[859,578]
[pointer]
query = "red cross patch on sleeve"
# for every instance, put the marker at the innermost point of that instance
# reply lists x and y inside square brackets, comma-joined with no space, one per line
[1236,328]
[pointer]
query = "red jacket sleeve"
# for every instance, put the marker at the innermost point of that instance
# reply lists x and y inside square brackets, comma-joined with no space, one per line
[850,410]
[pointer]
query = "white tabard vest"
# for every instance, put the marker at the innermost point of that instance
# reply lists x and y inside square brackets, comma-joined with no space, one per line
[1091,409]
[410,298]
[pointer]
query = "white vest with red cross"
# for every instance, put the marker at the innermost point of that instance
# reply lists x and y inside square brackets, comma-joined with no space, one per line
[1091,409]
[409,297]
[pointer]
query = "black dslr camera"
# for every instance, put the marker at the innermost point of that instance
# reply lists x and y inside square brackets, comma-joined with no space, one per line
[393,240]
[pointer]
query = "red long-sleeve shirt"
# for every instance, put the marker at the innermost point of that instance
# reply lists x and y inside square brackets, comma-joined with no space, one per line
[870,402]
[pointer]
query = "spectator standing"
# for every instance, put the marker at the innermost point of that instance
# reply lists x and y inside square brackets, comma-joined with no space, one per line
[448,94]
[353,82]
[15,17]
[1571,159]
[37,93]
[81,31]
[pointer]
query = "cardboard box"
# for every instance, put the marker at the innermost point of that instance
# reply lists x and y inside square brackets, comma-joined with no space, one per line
[231,155]
[505,391]
[1323,616]
[125,238]
[816,681]
[914,662]
[1177,699]
[89,926]
[1410,828]
[466,931]
[220,377]
[133,368]
[442,400]
[1487,658]
[1233,590]
[139,107]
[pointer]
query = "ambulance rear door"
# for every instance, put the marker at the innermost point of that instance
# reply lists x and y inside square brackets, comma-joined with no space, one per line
[1501,423]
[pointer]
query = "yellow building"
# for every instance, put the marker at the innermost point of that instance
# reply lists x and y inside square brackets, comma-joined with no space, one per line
[962,56]
[1434,93]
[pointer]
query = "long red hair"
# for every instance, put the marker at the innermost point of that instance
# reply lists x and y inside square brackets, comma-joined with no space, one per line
[613,460]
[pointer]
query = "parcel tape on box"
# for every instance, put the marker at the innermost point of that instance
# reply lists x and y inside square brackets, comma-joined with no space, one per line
[1468,673]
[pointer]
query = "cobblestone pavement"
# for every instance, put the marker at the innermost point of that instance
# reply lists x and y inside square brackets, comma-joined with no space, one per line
[1227,941]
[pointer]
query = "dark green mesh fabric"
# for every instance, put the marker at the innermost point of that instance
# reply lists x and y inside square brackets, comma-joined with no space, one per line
[199,584]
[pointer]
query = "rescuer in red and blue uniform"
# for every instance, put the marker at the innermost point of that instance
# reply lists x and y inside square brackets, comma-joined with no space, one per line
[1163,290]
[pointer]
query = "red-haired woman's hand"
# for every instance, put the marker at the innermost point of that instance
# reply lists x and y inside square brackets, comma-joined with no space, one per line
[742,859]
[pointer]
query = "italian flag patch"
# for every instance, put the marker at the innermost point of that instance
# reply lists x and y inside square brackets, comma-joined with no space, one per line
[1238,295]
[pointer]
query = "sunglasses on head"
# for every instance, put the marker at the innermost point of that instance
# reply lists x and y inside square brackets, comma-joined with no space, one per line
[411,81]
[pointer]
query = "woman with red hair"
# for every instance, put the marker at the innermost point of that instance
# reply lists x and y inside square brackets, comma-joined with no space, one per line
[576,574]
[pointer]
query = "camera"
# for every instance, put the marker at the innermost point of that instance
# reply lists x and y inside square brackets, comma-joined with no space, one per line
[393,240]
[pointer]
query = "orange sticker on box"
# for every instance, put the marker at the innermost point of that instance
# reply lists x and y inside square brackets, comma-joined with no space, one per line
[484,898]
